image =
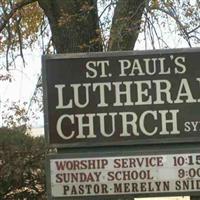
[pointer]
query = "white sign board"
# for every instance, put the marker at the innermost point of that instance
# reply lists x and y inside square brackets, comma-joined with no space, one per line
[135,175]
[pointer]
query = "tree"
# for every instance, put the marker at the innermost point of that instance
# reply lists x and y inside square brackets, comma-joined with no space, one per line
[22,165]
[91,25]
[80,26]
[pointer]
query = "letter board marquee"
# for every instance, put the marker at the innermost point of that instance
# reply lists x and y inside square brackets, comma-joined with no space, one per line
[123,176]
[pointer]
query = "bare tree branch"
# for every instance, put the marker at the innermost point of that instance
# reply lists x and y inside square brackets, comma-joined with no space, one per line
[196,28]
[176,19]
[20,40]
[109,5]
[17,6]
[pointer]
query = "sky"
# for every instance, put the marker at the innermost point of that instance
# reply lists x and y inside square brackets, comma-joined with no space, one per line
[23,83]
[22,86]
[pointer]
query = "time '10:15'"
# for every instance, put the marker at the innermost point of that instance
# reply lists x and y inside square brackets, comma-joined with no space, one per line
[189,160]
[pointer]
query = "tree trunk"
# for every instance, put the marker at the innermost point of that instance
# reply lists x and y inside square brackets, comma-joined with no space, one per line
[126,24]
[74,25]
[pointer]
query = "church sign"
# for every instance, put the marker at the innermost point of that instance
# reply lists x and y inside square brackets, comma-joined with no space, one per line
[122,98]
[123,177]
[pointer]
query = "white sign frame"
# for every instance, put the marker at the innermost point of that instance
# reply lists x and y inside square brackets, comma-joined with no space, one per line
[124,154]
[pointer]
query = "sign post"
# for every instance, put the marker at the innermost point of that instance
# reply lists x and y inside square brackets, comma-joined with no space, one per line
[134,99]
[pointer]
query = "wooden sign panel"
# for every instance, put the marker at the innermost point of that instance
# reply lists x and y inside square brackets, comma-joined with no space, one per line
[122,98]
